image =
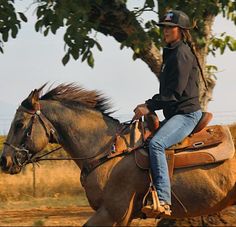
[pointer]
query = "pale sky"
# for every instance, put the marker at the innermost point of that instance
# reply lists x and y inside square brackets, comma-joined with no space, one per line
[31,59]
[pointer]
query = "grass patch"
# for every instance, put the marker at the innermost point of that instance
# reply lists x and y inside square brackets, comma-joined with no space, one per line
[47,202]
[38,223]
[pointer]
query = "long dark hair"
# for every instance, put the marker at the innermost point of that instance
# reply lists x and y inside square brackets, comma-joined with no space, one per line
[187,37]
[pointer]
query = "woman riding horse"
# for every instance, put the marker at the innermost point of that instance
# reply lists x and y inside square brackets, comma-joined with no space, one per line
[178,97]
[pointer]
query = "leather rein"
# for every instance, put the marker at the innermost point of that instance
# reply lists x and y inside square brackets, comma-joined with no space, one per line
[30,157]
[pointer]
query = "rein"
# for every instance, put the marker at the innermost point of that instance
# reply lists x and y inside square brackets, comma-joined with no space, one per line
[30,157]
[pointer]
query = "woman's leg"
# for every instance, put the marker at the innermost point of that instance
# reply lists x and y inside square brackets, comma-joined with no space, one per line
[173,131]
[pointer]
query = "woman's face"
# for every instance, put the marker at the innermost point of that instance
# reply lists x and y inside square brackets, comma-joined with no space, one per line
[171,34]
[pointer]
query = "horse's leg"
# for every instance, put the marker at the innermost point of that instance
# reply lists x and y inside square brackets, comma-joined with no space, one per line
[101,218]
[126,220]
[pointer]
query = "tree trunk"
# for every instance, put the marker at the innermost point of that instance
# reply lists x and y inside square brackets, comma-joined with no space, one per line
[202,52]
[122,24]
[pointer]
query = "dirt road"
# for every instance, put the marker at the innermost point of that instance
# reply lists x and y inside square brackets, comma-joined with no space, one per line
[77,216]
[72,216]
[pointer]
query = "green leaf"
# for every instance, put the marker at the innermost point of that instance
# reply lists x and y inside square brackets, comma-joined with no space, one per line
[234,45]
[5,36]
[54,28]
[14,32]
[135,56]
[38,25]
[75,53]
[90,60]
[98,45]
[45,33]
[65,59]
[85,55]
[137,50]
[222,48]
[212,68]
[23,17]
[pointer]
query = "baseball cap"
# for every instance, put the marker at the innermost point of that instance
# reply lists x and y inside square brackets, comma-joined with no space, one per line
[175,18]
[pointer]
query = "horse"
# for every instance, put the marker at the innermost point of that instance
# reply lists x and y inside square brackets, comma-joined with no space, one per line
[80,121]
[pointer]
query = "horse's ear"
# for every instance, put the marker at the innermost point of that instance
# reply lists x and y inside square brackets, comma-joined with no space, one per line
[32,101]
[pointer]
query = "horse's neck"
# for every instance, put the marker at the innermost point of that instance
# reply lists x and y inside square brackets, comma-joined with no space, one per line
[82,132]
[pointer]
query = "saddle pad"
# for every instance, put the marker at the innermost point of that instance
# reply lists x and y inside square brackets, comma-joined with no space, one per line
[205,155]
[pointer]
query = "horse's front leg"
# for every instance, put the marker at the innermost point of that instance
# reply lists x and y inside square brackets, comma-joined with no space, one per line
[101,218]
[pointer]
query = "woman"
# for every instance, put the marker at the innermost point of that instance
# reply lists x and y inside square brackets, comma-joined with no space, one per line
[178,97]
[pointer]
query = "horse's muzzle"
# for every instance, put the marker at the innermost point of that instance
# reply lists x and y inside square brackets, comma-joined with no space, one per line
[4,163]
[8,166]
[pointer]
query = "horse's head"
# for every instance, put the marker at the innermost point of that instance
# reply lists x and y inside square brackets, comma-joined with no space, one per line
[29,133]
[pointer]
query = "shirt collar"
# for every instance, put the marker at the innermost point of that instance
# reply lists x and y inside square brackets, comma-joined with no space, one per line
[174,45]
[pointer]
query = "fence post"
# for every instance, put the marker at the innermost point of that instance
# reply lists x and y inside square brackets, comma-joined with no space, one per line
[34,181]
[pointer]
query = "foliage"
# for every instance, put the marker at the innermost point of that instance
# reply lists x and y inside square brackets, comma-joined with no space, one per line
[10,21]
[221,43]
[83,18]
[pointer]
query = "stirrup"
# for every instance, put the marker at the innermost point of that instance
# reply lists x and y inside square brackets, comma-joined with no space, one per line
[152,207]
[161,211]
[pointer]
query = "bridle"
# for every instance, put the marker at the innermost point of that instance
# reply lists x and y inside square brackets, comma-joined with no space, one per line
[32,157]
[23,150]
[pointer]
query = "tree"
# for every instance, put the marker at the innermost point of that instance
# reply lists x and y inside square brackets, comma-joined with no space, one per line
[83,18]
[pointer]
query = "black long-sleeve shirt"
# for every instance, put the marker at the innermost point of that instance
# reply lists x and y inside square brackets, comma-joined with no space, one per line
[179,92]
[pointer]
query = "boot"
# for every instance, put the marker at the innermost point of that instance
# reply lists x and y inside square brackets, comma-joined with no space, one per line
[163,210]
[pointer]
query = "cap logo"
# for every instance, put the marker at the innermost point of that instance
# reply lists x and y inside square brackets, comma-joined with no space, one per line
[169,16]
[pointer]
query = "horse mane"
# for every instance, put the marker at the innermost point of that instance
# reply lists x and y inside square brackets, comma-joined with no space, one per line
[73,95]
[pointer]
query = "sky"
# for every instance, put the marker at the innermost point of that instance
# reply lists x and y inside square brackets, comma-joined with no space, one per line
[31,59]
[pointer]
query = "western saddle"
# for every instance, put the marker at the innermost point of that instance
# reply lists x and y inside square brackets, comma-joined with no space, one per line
[205,145]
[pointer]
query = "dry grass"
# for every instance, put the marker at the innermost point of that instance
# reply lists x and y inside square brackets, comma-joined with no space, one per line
[2,139]
[53,179]
[56,184]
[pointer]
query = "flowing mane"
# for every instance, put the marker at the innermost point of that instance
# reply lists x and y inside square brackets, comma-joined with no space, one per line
[73,95]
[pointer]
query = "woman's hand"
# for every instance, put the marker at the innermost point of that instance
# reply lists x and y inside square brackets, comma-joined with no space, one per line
[140,111]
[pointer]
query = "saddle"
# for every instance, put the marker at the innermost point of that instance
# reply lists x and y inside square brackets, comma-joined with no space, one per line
[205,145]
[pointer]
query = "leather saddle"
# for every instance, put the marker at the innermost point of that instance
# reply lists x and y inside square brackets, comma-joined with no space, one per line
[205,145]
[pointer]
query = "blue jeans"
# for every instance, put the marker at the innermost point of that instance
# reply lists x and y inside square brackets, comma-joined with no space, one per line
[172,131]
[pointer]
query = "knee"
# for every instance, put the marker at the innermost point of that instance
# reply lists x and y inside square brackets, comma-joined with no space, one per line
[156,145]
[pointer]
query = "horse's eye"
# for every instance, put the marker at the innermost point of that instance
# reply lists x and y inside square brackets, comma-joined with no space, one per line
[19,125]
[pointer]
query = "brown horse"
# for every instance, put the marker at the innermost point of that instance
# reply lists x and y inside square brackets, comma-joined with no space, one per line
[78,120]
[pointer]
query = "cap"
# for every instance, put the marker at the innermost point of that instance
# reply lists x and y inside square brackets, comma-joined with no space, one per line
[175,18]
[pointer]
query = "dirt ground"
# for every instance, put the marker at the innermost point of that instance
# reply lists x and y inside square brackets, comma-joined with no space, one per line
[68,216]
[77,216]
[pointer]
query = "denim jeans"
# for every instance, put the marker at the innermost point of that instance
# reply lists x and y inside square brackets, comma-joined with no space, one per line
[172,131]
